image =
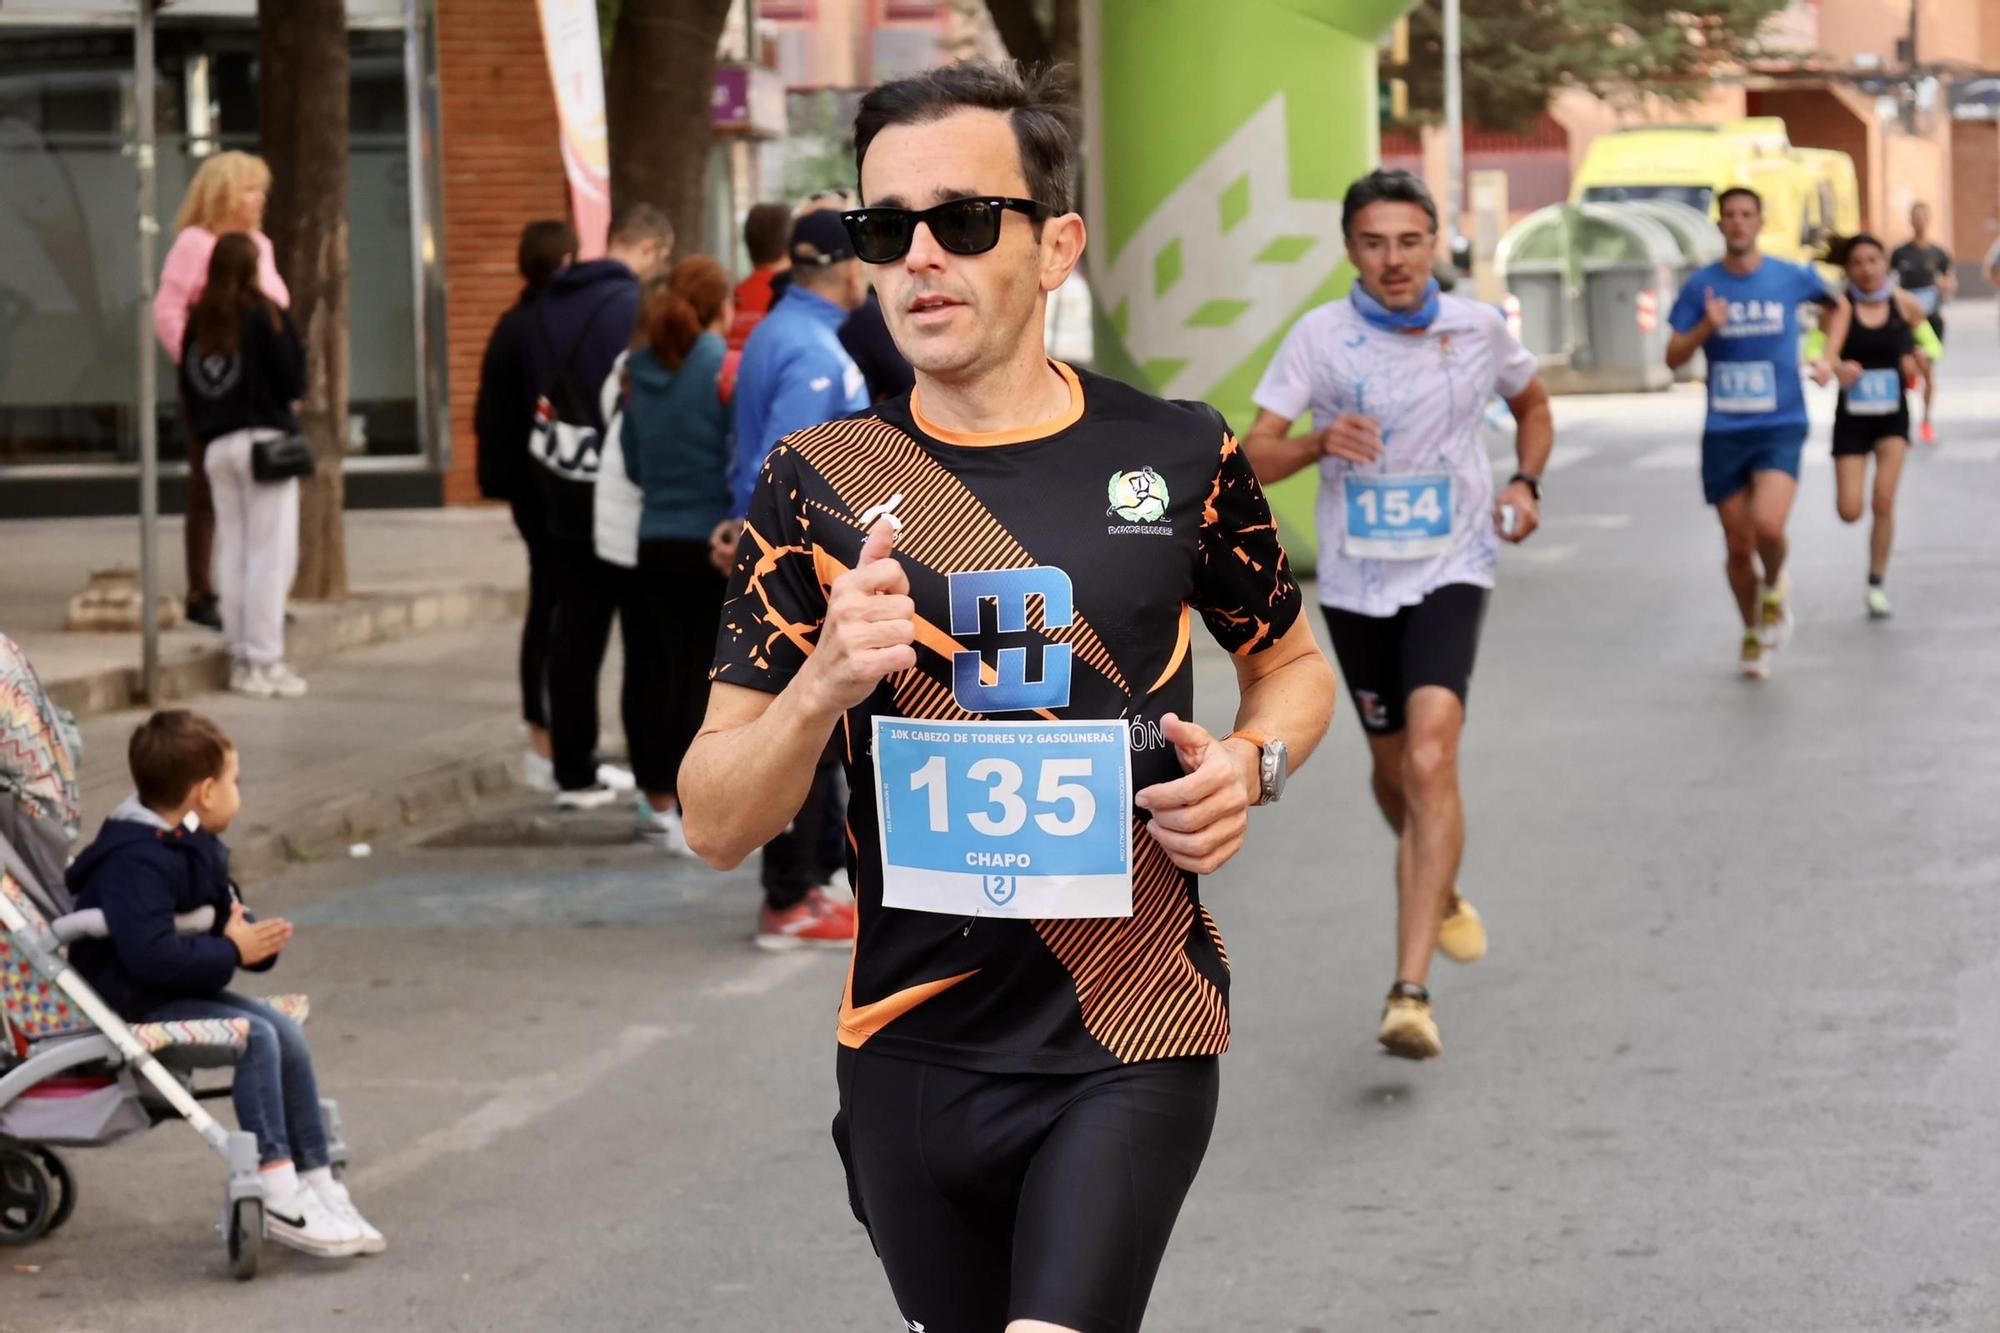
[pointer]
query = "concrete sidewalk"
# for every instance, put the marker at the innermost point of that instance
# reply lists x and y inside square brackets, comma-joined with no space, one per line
[394,734]
[411,570]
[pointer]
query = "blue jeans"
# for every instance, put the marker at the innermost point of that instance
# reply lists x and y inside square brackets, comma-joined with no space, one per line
[276,1096]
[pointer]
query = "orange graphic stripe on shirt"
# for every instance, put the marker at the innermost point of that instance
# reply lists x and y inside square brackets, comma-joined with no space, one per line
[1138,991]
[1211,521]
[769,556]
[867,461]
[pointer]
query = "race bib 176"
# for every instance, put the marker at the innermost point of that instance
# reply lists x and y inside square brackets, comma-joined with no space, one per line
[1014,819]
[1743,386]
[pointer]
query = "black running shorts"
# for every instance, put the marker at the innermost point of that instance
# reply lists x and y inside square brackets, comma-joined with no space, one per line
[995,1197]
[1385,659]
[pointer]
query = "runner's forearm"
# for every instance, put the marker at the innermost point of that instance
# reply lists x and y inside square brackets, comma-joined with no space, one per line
[1837,324]
[1272,455]
[1291,696]
[1682,346]
[1534,429]
[741,784]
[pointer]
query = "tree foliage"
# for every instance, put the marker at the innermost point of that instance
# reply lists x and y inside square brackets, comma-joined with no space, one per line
[1517,54]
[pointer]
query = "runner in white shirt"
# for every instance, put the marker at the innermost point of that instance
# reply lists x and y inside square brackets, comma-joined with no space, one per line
[1397,378]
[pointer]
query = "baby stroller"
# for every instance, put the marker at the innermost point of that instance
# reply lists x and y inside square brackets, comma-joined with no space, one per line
[73,1074]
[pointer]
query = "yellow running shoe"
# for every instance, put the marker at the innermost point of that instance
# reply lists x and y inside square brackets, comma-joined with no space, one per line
[1462,937]
[1408,1029]
[1774,614]
[1878,603]
[1755,659]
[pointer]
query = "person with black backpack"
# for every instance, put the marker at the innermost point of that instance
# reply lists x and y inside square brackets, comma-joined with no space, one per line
[501,419]
[583,324]
[242,370]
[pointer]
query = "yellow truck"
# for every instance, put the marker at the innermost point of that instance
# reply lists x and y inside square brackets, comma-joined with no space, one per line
[1809,193]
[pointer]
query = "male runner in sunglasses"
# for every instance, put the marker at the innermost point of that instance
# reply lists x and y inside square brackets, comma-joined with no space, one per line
[984,590]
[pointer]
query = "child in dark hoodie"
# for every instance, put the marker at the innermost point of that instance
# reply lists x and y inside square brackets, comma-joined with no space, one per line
[159,857]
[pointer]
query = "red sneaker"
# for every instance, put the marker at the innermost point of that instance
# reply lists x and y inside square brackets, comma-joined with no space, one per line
[1929,433]
[814,922]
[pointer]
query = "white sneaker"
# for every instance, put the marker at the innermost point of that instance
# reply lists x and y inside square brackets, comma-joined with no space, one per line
[334,1195]
[594,797]
[284,682]
[296,1216]
[662,828]
[537,773]
[1754,659]
[616,778]
[245,678]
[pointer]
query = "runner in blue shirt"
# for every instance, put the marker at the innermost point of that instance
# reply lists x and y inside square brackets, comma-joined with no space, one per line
[1744,312]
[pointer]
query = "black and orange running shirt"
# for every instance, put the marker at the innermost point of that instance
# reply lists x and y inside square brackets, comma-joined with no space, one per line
[1142,511]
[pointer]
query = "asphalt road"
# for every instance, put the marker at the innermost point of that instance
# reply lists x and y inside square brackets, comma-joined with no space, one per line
[1731,1064]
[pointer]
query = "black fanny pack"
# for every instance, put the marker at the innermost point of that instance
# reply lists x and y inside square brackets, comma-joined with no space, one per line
[281,459]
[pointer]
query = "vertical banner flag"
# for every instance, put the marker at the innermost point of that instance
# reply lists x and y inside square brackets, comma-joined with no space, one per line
[576,68]
[1217,158]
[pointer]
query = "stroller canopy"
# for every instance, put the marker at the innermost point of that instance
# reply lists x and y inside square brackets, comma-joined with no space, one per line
[39,806]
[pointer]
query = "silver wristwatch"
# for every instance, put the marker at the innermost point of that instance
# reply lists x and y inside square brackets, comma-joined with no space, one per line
[1274,764]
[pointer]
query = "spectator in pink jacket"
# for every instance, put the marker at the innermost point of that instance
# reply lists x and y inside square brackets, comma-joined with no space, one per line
[226,195]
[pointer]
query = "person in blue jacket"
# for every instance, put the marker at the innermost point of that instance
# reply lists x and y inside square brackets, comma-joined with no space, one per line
[159,857]
[795,374]
[795,371]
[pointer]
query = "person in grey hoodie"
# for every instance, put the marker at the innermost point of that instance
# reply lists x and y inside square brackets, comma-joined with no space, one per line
[676,442]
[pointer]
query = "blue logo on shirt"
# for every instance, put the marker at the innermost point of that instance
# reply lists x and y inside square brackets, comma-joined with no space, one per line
[1009,590]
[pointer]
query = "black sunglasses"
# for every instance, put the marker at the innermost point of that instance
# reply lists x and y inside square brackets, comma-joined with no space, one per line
[962,226]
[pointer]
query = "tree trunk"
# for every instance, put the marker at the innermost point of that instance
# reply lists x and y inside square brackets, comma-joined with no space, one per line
[658,103]
[1033,41]
[302,102]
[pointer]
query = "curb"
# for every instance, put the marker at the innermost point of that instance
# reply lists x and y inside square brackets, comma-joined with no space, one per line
[322,632]
[328,831]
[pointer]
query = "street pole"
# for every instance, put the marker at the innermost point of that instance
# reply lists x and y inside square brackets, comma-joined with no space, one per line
[1454,127]
[147,419]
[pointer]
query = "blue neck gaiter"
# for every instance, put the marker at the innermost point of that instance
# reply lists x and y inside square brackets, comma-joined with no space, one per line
[1396,321]
[1881,293]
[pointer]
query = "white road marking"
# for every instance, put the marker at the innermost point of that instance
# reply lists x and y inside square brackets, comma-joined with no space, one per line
[526,1101]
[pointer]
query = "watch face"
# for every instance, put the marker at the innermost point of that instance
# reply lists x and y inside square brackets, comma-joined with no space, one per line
[1275,769]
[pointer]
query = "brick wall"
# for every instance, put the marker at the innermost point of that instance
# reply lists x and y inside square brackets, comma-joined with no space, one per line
[502,168]
[1975,198]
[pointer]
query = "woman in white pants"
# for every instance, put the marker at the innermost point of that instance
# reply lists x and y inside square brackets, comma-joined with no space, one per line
[242,371]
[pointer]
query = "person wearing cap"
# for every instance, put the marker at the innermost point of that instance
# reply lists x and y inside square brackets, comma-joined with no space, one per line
[795,374]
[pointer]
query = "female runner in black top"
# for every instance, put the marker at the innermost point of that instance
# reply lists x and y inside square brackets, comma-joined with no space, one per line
[1877,362]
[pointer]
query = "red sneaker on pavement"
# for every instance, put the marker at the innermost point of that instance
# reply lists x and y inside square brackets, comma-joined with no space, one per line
[814,922]
[1929,433]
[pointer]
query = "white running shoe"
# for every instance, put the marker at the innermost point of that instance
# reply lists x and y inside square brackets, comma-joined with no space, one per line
[247,679]
[1754,659]
[296,1216]
[537,773]
[662,828]
[594,797]
[284,682]
[335,1196]
[1774,614]
[616,778]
